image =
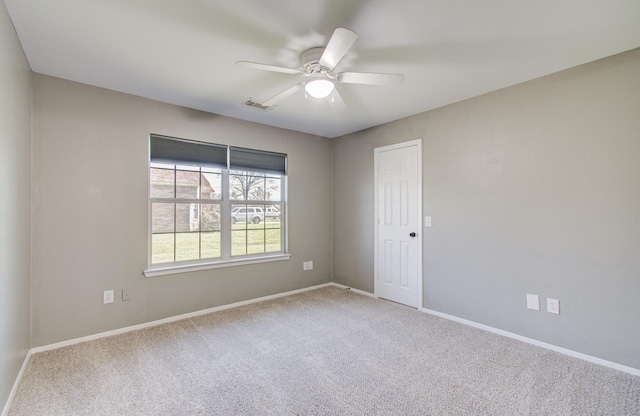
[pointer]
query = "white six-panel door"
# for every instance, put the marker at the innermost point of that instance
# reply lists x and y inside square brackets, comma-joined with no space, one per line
[398,233]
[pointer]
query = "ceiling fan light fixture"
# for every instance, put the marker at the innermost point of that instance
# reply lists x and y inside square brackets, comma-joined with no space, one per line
[319,87]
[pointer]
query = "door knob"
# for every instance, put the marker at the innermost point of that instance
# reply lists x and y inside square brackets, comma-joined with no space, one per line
[412,234]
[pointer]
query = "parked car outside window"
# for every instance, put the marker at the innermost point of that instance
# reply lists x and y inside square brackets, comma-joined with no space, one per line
[247,214]
[271,212]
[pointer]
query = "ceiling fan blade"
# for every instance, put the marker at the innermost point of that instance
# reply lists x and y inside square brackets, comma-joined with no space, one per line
[370,78]
[284,94]
[336,100]
[340,42]
[272,68]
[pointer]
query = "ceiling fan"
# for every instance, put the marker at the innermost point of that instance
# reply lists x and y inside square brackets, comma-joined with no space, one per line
[318,65]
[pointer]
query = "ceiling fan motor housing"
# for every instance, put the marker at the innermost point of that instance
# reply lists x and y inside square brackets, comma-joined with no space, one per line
[310,60]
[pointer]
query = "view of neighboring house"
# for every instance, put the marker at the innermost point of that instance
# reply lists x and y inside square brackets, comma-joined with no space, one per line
[190,185]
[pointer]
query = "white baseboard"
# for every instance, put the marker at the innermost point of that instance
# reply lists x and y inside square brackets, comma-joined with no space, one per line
[358,291]
[171,319]
[565,351]
[14,389]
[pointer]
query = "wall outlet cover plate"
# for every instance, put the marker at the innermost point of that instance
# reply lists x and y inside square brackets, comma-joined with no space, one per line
[107,296]
[553,306]
[533,302]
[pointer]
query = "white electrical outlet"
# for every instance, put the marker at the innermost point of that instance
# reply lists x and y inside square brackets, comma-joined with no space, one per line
[107,296]
[553,306]
[126,294]
[533,302]
[427,222]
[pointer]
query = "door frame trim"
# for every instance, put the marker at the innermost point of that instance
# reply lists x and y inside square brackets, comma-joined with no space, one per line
[420,230]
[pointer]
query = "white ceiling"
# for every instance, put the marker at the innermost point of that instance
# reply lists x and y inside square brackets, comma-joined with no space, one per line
[184,51]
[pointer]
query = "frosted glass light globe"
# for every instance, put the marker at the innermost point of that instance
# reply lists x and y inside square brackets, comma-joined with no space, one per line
[319,87]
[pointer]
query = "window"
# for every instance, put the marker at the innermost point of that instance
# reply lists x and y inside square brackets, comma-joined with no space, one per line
[256,204]
[185,212]
[214,205]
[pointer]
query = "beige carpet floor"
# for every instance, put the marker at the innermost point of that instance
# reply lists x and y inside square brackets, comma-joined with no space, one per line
[324,352]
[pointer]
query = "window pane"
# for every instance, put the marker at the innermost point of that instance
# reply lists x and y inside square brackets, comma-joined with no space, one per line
[187,218]
[187,246]
[237,187]
[210,217]
[255,214]
[238,216]
[161,248]
[211,185]
[273,189]
[272,216]
[256,193]
[210,245]
[238,242]
[187,184]
[161,183]
[255,241]
[246,214]
[246,186]
[273,239]
[162,218]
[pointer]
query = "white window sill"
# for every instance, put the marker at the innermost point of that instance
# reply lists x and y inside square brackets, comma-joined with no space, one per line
[161,271]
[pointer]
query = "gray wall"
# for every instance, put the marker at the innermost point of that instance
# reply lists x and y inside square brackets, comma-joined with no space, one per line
[90,211]
[532,189]
[15,207]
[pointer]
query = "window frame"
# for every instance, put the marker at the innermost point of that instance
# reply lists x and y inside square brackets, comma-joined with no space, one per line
[226,258]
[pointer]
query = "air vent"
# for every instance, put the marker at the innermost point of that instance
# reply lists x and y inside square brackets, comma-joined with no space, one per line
[257,105]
